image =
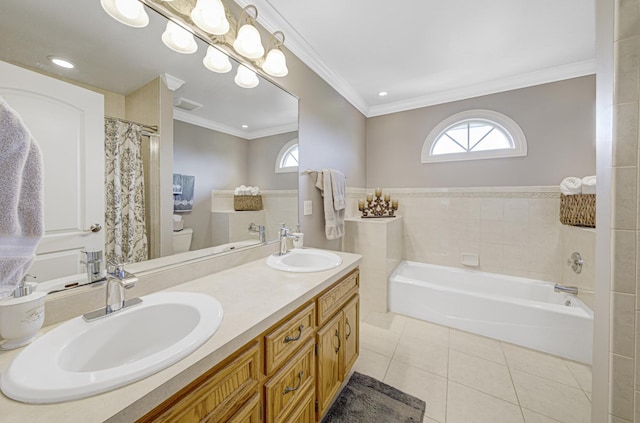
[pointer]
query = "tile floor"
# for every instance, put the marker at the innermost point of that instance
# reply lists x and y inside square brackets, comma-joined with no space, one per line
[466,378]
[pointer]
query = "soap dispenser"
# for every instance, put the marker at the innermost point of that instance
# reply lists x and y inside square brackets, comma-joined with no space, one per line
[21,316]
[298,238]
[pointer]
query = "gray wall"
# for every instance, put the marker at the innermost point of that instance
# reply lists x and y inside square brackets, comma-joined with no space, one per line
[263,153]
[218,161]
[558,120]
[332,135]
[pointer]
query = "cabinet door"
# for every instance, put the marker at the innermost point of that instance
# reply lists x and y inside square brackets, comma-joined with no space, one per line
[329,340]
[249,413]
[351,334]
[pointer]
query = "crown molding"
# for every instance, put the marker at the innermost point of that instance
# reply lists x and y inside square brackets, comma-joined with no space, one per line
[183,116]
[559,73]
[272,21]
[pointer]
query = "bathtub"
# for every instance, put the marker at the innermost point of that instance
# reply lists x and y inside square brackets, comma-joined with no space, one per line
[521,311]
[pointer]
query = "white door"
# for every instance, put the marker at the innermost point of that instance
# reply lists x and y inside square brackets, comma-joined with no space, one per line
[68,123]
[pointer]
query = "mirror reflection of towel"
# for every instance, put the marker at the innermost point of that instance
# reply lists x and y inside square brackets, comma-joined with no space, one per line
[183,202]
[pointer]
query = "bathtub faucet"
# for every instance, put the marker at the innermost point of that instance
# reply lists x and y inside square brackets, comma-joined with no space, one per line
[568,289]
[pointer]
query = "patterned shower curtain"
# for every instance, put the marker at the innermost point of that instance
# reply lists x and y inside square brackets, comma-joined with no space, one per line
[126,238]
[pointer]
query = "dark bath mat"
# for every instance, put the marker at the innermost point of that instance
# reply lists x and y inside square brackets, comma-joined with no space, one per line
[365,400]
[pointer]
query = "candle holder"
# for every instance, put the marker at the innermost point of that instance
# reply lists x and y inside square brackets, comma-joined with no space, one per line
[378,206]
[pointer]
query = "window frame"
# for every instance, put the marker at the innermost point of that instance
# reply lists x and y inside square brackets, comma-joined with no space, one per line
[503,122]
[284,151]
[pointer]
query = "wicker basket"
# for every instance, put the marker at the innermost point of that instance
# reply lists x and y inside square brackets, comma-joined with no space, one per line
[578,210]
[247,202]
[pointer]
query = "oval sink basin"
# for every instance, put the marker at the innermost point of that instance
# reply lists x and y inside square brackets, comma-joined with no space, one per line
[304,260]
[79,358]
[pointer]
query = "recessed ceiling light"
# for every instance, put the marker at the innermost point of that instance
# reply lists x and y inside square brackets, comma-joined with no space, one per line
[382,93]
[245,126]
[63,63]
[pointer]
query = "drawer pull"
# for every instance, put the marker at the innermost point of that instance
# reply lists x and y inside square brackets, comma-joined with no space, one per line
[288,389]
[290,339]
[347,335]
[339,343]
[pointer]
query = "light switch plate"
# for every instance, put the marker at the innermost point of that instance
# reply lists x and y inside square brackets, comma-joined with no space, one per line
[308,207]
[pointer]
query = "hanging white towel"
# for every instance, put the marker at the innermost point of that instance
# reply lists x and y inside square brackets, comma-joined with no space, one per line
[333,218]
[338,189]
[571,186]
[589,185]
[21,214]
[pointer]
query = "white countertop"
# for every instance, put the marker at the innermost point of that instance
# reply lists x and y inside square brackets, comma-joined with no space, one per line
[254,297]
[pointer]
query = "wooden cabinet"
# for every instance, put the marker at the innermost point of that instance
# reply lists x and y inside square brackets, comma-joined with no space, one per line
[329,362]
[337,339]
[289,374]
[218,395]
[285,389]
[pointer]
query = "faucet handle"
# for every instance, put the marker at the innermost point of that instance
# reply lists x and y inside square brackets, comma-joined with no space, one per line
[117,266]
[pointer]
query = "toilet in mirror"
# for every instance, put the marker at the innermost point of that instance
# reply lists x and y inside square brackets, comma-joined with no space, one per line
[144,147]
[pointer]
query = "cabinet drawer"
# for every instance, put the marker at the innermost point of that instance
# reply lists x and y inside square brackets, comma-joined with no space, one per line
[334,299]
[249,413]
[286,388]
[218,394]
[306,410]
[288,337]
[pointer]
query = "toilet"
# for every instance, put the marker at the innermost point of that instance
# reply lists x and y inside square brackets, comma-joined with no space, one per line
[182,240]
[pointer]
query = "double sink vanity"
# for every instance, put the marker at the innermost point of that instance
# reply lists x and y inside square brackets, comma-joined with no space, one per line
[285,335]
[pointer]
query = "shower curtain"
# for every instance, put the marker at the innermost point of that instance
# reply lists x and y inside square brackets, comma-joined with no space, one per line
[126,238]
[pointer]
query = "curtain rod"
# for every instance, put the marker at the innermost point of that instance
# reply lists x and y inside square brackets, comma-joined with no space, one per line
[150,129]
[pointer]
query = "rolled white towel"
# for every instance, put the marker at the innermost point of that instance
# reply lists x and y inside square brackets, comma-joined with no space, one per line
[255,190]
[237,191]
[571,186]
[589,185]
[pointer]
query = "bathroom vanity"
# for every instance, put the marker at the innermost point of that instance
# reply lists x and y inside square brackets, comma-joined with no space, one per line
[284,349]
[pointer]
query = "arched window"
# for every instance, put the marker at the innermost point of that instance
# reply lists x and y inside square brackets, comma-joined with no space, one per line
[473,135]
[287,160]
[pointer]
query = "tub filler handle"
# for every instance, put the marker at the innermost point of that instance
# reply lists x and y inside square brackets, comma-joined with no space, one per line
[566,289]
[576,262]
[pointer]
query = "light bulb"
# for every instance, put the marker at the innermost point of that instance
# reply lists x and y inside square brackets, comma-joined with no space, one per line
[179,39]
[248,42]
[246,78]
[275,63]
[210,16]
[216,61]
[128,12]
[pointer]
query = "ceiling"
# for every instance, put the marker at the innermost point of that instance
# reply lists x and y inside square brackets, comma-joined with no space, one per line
[432,51]
[121,59]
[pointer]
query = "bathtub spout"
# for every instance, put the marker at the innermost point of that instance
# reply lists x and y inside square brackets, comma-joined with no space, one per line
[568,289]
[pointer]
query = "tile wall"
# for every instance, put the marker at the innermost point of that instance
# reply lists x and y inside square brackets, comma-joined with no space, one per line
[624,346]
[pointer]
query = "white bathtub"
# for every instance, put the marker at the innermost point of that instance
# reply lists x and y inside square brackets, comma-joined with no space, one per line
[521,311]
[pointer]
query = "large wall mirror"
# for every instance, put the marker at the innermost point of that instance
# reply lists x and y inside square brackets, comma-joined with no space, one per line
[208,134]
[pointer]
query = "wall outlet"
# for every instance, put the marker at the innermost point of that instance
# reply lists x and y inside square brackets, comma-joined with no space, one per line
[308,207]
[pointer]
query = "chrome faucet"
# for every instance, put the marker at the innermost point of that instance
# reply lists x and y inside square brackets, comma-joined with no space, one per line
[567,289]
[117,281]
[285,233]
[95,272]
[260,230]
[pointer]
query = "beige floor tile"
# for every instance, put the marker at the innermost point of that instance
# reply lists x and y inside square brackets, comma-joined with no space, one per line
[466,405]
[539,364]
[476,345]
[483,375]
[559,401]
[376,339]
[533,417]
[418,330]
[428,387]
[582,374]
[372,363]
[430,420]
[388,321]
[426,356]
